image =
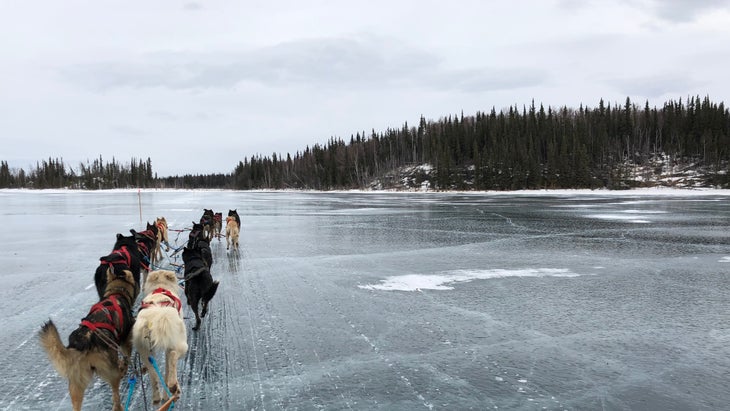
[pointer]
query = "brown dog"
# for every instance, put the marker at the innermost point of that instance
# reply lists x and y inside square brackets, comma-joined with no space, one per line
[161,224]
[231,232]
[96,347]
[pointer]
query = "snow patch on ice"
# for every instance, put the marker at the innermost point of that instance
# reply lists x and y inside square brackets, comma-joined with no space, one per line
[724,260]
[442,281]
[621,217]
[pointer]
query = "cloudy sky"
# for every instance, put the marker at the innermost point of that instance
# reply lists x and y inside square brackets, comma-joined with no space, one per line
[199,85]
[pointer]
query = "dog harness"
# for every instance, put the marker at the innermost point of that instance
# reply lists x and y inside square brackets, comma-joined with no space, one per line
[108,306]
[122,253]
[145,255]
[173,302]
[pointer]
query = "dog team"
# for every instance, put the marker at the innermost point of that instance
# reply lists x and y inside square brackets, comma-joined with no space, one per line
[103,342]
[212,226]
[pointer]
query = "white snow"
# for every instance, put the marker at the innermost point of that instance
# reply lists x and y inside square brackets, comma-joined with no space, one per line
[417,282]
[724,260]
[620,217]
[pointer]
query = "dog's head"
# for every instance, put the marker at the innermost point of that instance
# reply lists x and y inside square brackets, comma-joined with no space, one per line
[122,241]
[153,228]
[191,253]
[121,282]
[144,241]
[125,252]
[233,212]
[161,279]
[195,234]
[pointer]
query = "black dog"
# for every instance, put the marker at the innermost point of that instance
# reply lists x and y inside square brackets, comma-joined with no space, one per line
[199,284]
[124,256]
[197,239]
[234,214]
[207,221]
[146,244]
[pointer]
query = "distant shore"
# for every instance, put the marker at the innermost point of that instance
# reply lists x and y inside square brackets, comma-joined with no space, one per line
[650,191]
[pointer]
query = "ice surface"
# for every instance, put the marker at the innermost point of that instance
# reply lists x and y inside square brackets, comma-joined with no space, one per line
[527,300]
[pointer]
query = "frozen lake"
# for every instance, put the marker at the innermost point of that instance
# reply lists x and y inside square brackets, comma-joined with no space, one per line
[396,301]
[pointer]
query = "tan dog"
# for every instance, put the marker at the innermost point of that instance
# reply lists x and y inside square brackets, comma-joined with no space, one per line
[160,327]
[95,347]
[232,232]
[161,224]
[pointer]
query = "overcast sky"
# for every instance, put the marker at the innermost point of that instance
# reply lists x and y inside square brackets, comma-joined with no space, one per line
[197,86]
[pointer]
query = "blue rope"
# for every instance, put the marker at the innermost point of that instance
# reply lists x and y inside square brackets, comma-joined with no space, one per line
[132,383]
[159,375]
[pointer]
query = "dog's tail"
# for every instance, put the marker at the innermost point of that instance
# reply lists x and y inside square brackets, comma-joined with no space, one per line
[211,291]
[63,359]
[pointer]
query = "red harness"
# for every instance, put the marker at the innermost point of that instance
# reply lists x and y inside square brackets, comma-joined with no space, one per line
[160,227]
[109,306]
[175,302]
[122,252]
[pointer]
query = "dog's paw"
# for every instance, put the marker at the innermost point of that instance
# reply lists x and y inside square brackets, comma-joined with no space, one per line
[175,391]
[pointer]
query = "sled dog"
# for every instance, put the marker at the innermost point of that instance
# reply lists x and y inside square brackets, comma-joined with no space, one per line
[161,224]
[160,328]
[124,256]
[231,232]
[199,284]
[101,344]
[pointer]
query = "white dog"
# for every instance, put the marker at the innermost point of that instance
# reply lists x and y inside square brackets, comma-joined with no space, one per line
[159,327]
[231,232]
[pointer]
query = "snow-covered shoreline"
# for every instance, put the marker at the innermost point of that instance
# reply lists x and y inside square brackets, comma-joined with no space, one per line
[652,191]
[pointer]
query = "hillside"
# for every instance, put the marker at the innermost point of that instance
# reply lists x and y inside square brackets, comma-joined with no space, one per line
[659,172]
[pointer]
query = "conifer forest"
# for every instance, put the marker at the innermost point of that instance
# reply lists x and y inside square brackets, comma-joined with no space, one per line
[515,148]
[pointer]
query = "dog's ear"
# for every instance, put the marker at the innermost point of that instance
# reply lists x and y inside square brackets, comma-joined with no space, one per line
[128,276]
[110,274]
[119,236]
[171,276]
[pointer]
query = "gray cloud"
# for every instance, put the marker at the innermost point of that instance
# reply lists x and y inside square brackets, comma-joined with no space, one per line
[320,63]
[676,11]
[655,85]
[127,130]
[488,79]
[192,6]
[682,11]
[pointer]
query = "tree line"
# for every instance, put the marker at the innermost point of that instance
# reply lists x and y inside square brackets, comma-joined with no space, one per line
[516,148]
[98,174]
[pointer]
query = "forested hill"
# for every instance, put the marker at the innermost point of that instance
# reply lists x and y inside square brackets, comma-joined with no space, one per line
[617,146]
[683,144]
